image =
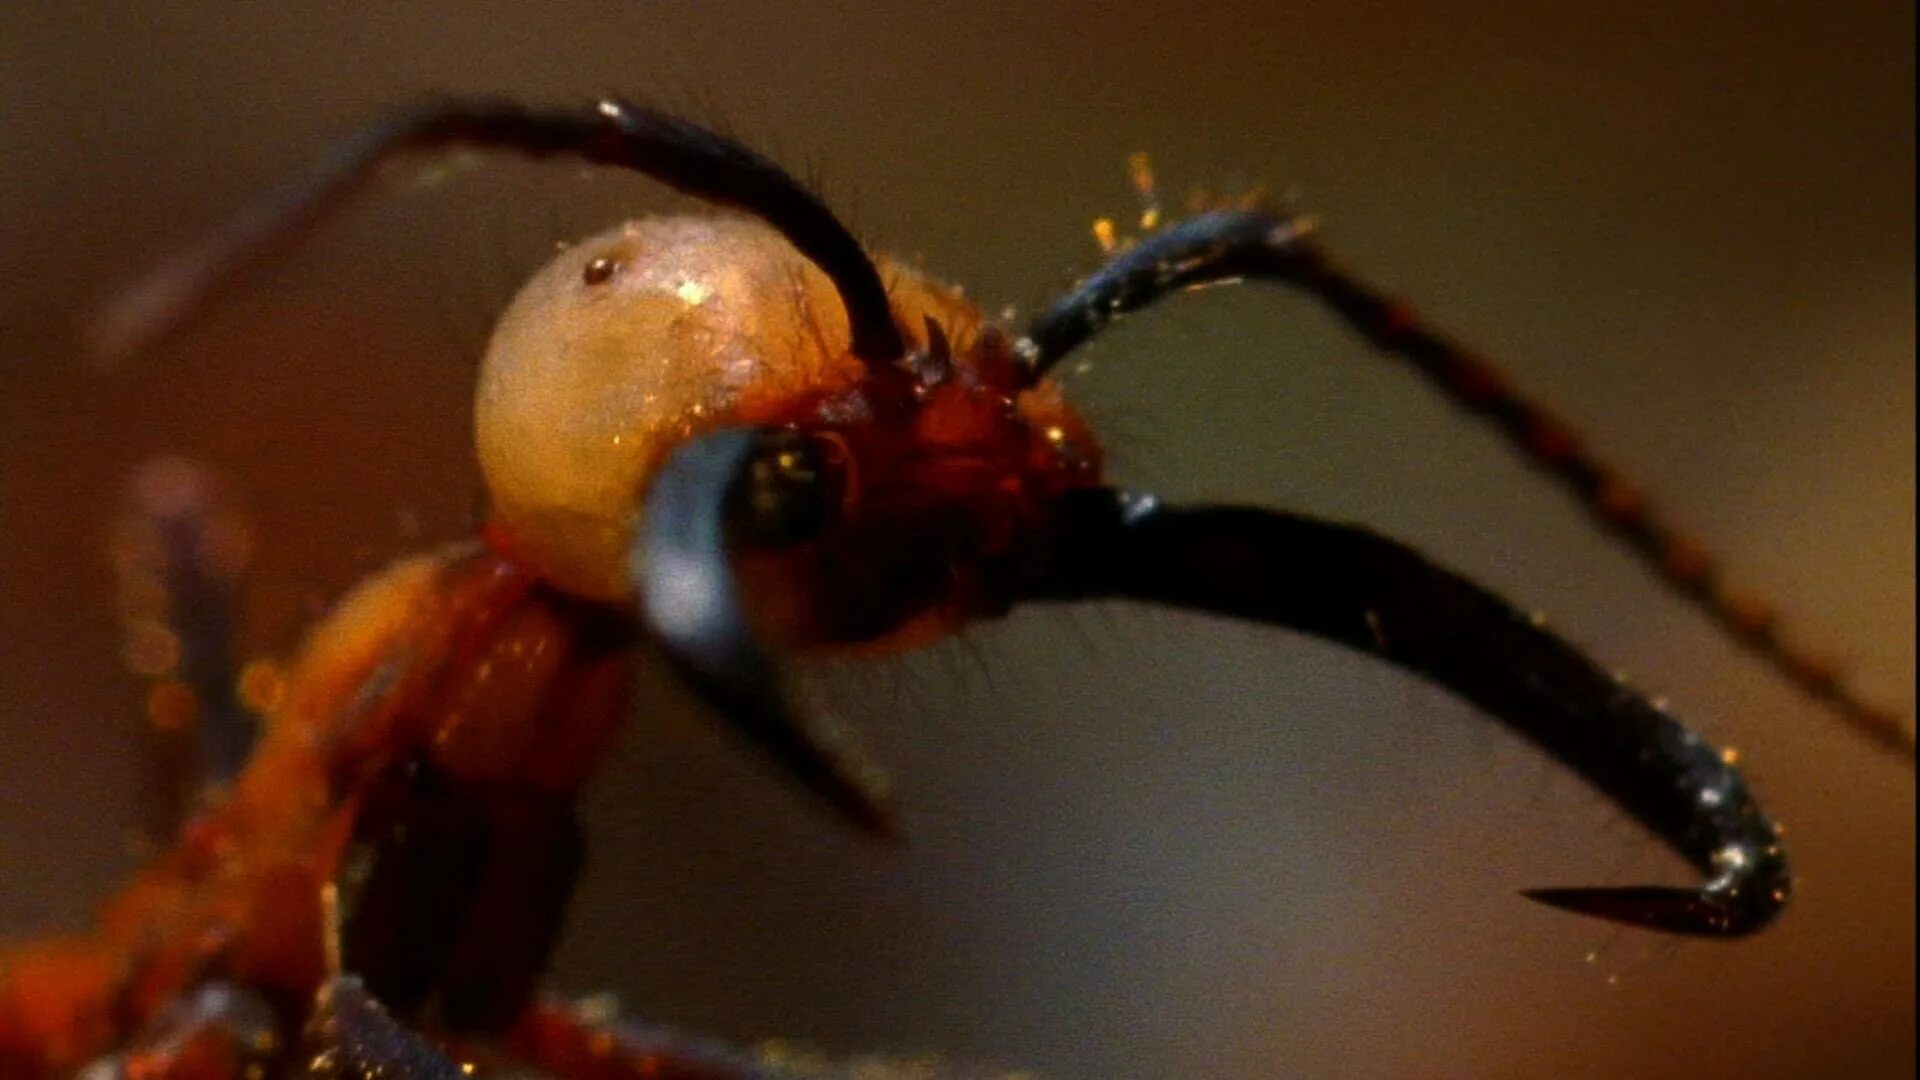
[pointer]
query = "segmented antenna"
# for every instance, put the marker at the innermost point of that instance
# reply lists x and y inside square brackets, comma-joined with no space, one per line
[1245,240]
[1474,383]
[680,154]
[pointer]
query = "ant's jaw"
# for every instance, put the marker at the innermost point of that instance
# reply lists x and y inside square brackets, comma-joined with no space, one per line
[692,601]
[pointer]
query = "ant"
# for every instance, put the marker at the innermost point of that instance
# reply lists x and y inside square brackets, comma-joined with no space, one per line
[714,440]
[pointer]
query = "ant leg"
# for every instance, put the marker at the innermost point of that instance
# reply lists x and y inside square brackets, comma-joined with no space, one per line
[678,153]
[583,1042]
[586,1042]
[1231,245]
[452,894]
[351,1037]
[179,554]
[417,854]
[513,921]
[1351,586]
[763,487]
[219,1030]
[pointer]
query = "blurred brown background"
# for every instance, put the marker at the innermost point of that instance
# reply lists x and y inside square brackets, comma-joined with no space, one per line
[1141,844]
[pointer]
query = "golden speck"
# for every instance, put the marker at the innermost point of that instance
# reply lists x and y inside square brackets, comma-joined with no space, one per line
[597,1010]
[1105,235]
[693,293]
[1140,170]
[1730,756]
[330,924]
[1256,197]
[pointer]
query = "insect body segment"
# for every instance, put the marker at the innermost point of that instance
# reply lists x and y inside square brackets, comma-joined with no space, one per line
[636,340]
[458,666]
[733,439]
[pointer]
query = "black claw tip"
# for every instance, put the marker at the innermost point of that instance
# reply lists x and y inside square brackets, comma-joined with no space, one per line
[1697,912]
[691,604]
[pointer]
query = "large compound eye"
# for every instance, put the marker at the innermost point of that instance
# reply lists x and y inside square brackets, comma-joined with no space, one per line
[790,491]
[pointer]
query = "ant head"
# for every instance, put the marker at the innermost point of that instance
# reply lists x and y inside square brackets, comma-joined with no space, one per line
[935,441]
[631,343]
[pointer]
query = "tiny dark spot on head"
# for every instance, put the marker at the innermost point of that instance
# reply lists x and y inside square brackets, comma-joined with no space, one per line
[599,269]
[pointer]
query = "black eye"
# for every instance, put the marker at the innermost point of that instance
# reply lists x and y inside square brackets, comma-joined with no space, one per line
[599,269]
[791,490]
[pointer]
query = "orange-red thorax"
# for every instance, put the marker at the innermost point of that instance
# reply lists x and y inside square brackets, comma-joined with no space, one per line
[461,660]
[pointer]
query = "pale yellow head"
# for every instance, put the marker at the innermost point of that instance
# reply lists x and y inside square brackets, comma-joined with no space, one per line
[630,342]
